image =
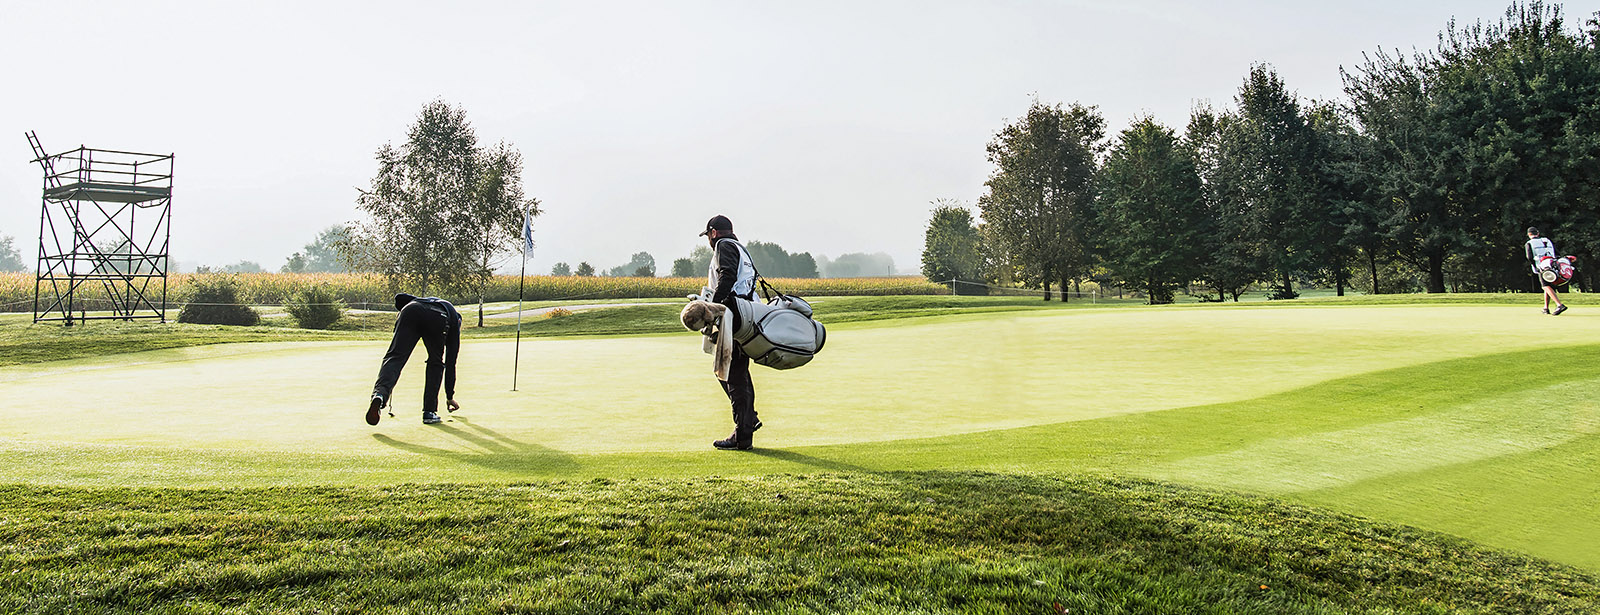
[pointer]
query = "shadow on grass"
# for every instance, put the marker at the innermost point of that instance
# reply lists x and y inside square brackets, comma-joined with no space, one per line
[494,450]
[816,462]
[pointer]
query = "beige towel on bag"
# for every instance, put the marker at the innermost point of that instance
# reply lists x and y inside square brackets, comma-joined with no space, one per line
[716,323]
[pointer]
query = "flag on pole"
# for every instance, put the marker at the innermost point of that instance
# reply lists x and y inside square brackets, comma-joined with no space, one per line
[527,234]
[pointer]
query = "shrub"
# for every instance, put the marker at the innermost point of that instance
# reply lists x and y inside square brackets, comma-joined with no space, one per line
[214,300]
[315,307]
[558,313]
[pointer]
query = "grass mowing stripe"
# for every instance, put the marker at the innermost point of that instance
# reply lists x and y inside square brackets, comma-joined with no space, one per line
[1541,501]
[857,543]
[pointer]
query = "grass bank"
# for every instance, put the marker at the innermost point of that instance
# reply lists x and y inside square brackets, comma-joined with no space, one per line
[834,543]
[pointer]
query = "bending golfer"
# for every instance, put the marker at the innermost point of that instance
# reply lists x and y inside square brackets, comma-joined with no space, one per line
[438,325]
[733,275]
[1536,249]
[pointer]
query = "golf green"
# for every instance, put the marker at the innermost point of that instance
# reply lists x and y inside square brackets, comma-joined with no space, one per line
[1479,420]
[874,382]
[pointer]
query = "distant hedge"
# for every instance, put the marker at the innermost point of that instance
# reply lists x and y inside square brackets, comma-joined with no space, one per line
[370,291]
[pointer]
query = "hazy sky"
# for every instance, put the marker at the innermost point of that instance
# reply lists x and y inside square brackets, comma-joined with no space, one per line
[822,126]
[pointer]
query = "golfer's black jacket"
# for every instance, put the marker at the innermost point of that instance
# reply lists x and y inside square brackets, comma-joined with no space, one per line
[452,339]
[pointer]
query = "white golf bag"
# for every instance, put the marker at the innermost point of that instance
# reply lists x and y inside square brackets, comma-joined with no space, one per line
[780,333]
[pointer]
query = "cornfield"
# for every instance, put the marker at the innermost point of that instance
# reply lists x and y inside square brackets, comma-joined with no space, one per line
[369,291]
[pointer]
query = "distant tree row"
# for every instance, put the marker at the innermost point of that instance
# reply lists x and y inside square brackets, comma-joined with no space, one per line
[1425,177]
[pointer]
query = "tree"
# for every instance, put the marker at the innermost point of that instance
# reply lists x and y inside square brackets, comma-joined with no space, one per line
[772,260]
[493,225]
[561,269]
[1279,183]
[1150,211]
[1040,196]
[321,255]
[1519,106]
[1345,185]
[802,265]
[440,209]
[1391,98]
[856,264]
[585,270]
[699,262]
[10,257]
[242,267]
[641,261]
[683,268]
[951,248]
[1231,234]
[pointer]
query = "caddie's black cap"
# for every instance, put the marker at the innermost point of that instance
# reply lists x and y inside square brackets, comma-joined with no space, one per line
[401,300]
[719,223]
[1533,231]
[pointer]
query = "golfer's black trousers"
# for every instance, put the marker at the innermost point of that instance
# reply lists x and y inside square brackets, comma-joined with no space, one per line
[741,394]
[416,321]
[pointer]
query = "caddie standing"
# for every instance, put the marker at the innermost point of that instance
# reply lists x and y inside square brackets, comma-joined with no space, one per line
[732,275]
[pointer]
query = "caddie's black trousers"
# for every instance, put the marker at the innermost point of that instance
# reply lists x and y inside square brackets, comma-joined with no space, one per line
[416,321]
[741,394]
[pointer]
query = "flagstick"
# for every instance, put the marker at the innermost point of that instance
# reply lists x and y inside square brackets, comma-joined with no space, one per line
[516,355]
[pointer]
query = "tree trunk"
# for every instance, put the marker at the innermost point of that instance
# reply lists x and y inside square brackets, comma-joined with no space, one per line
[1436,271]
[480,307]
[1338,273]
[1046,291]
[1064,289]
[1372,267]
[1288,285]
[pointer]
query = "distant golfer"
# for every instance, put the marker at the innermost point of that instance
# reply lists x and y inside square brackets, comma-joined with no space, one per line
[438,325]
[1536,249]
[733,275]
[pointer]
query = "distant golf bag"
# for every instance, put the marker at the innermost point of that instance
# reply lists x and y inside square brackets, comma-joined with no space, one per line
[1557,271]
[779,334]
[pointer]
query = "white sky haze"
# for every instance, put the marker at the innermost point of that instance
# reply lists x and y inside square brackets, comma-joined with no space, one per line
[825,127]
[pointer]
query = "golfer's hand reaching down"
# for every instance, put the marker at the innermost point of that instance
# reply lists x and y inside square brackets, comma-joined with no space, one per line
[453,405]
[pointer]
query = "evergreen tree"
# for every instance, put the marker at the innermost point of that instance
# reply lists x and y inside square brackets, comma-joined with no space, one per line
[1150,211]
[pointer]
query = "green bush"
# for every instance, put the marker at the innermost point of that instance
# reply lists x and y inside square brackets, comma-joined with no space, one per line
[214,300]
[315,307]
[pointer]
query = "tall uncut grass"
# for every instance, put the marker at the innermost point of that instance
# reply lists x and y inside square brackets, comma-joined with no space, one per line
[371,291]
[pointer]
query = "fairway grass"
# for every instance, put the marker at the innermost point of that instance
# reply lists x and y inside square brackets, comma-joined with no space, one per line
[1480,421]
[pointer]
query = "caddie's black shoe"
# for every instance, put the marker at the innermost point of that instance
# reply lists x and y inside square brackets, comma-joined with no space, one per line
[373,409]
[1547,311]
[732,443]
[431,418]
[1559,309]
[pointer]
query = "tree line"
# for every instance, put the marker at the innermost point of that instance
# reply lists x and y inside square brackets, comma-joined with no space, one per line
[1423,178]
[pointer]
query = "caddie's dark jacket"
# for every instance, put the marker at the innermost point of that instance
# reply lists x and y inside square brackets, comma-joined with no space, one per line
[727,257]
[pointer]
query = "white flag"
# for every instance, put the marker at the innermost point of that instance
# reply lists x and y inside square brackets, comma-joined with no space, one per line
[527,235]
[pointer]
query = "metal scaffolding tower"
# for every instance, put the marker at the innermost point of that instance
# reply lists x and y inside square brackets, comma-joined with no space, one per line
[104,228]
